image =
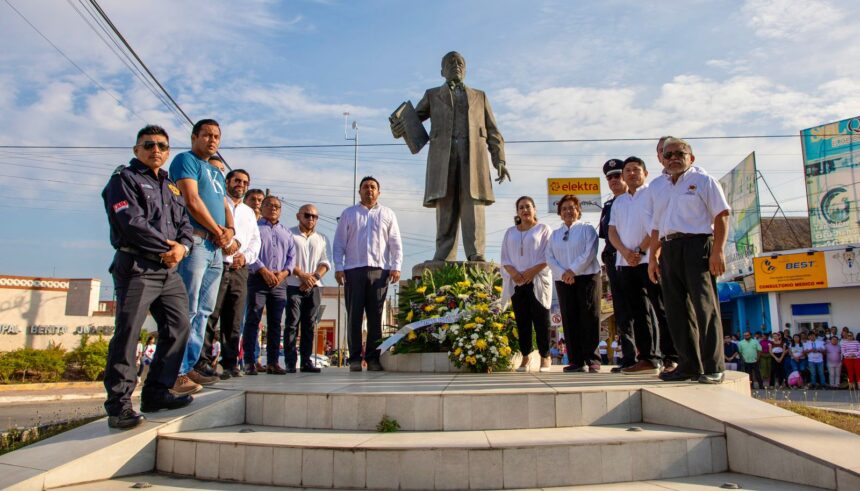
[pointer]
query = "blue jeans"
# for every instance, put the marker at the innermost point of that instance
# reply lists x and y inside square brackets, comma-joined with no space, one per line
[816,373]
[201,273]
[798,365]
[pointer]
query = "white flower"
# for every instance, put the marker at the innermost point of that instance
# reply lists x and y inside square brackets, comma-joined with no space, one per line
[475,336]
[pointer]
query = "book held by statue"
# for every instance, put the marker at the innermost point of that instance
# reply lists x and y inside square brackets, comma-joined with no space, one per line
[414,133]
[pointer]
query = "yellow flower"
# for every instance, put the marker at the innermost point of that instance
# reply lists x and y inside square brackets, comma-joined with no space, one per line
[458,351]
[516,333]
[428,308]
[498,289]
[505,351]
[421,289]
[409,316]
[471,360]
[411,336]
[469,325]
[482,295]
[440,299]
[479,320]
[464,284]
[497,326]
[511,315]
[503,339]
[482,307]
[481,344]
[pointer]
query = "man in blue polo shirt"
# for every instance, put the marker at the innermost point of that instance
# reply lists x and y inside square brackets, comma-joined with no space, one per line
[204,190]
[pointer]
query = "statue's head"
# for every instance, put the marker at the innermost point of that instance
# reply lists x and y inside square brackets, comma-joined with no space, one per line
[454,67]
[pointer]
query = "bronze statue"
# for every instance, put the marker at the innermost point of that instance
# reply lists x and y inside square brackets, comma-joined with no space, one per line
[462,130]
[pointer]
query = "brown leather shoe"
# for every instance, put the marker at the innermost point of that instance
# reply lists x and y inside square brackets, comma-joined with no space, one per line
[275,370]
[185,386]
[199,378]
[642,367]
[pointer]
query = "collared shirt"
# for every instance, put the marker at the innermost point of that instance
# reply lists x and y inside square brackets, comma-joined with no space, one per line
[631,218]
[211,185]
[524,249]
[311,252]
[277,250]
[145,211]
[573,248]
[247,232]
[603,230]
[687,206]
[749,350]
[367,238]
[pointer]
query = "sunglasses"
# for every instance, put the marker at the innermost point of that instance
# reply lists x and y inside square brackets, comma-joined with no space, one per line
[149,145]
[311,216]
[677,153]
[564,237]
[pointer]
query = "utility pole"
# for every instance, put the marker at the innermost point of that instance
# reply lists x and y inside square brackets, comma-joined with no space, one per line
[354,139]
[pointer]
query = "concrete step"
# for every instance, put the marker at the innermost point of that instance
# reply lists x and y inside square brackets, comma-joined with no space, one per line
[490,459]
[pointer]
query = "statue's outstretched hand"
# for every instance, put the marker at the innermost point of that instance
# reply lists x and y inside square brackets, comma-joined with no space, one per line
[503,173]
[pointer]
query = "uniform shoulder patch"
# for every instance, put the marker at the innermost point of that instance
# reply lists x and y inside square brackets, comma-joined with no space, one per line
[173,188]
[119,206]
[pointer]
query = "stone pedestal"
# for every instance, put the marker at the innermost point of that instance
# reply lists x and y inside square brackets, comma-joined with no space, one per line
[418,269]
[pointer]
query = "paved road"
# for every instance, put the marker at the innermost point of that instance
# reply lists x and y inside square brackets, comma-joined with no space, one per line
[22,415]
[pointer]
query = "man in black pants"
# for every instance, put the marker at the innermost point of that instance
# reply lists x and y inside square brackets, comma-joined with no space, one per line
[368,254]
[150,242]
[623,324]
[630,234]
[689,226]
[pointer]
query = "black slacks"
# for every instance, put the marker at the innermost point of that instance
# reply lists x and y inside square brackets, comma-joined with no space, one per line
[640,295]
[229,310]
[692,305]
[580,318]
[145,286]
[302,310]
[532,320]
[365,292]
[275,301]
[623,322]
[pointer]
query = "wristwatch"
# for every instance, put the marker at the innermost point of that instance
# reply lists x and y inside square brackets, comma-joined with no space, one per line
[638,250]
[187,250]
[317,276]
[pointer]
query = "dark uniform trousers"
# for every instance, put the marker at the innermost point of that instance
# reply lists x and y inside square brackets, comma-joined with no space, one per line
[692,308]
[580,317]
[145,286]
[302,309]
[365,293]
[275,301]
[623,321]
[229,310]
[530,316]
[642,298]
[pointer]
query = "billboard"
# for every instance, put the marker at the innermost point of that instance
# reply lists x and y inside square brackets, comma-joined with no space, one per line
[831,155]
[843,268]
[587,189]
[744,235]
[803,271]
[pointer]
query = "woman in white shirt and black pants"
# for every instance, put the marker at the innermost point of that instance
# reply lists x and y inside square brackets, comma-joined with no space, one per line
[527,280]
[572,257]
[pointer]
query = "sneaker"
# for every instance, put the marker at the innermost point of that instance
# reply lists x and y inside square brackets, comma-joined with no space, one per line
[524,365]
[184,386]
[225,375]
[374,366]
[126,420]
[545,363]
[236,372]
[574,368]
[669,365]
[201,379]
[642,367]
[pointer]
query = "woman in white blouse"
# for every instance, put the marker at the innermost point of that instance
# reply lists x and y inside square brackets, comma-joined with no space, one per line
[527,281]
[572,258]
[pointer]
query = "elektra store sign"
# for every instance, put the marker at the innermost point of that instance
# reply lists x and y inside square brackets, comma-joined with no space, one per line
[54,330]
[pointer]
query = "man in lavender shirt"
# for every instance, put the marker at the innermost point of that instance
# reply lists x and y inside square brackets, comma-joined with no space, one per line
[267,287]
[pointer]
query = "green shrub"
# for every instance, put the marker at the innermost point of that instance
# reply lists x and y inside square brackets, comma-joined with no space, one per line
[35,365]
[90,358]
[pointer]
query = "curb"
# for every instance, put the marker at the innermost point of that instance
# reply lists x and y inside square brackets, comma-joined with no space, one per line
[51,386]
[20,399]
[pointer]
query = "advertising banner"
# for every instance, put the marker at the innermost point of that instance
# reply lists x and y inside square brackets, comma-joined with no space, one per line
[831,154]
[801,271]
[744,236]
[587,189]
[843,268]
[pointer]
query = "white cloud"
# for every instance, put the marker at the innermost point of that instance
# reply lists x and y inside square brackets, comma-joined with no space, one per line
[293,103]
[780,19]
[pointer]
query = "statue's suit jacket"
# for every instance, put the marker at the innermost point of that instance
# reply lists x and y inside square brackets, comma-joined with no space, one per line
[438,105]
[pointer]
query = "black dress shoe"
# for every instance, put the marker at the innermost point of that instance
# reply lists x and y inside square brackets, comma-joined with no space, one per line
[310,369]
[712,378]
[477,258]
[355,366]
[574,368]
[677,376]
[164,401]
[374,366]
[291,369]
[126,420]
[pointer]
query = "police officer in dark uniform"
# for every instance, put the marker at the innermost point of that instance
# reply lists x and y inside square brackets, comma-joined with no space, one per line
[150,231]
[623,321]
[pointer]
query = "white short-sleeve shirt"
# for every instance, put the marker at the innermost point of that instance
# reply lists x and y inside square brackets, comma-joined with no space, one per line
[631,217]
[687,206]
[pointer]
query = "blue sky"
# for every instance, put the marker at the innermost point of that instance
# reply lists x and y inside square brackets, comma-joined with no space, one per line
[282,73]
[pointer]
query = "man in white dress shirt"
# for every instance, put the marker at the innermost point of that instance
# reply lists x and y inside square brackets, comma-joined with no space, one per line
[303,293]
[689,225]
[368,254]
[230,304]
[630,234]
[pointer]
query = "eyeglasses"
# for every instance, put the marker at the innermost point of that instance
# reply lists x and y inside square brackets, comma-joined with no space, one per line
[677,153]
[149,145]
[566,233]
[311,216]
[613,176]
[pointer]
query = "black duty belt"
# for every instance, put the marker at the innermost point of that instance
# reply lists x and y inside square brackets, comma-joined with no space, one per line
[681,235]
[134,251]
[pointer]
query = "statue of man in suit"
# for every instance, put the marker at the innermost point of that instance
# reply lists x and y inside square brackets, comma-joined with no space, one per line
[462,130]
